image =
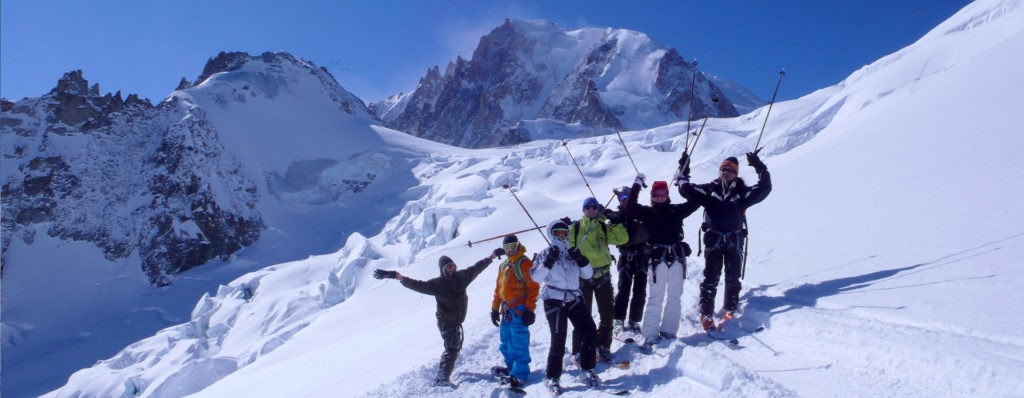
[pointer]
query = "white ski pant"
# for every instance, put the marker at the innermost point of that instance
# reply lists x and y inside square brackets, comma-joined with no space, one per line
[664,301]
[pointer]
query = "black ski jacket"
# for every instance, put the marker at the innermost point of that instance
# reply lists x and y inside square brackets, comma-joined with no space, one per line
[725,205]
[664,221]
[450,293]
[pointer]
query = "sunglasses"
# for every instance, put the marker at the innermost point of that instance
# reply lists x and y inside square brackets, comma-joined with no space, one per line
[561,234]
[727,170]
[589,207]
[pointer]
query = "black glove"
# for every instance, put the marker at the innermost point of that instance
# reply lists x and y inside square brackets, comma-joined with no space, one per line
[495,317]
[684,160]
[755,161]
[578,257]
[528,318]
[498,252]
[382,274]
[552,255]
[613,216]
[566,220]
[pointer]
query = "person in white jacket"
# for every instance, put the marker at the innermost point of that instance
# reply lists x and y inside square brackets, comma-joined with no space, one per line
[560,271]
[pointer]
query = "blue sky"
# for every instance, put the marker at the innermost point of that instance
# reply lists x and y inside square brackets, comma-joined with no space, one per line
[376,48]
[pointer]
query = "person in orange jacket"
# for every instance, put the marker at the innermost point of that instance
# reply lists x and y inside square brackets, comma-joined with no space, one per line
[515,299]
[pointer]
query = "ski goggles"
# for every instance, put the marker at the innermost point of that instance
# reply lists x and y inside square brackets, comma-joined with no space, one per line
[727,169]
[622,196]
[560,233]
[510,248]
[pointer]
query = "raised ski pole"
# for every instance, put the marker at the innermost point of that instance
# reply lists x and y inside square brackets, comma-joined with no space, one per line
[688,150]
[781,74]
[566,145]
[689,116]
[506,186]
[623,142]
[470,244]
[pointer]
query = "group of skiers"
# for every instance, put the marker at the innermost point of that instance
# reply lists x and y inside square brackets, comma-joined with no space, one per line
[573,273]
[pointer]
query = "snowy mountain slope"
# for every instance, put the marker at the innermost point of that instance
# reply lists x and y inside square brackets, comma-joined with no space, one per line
[882,264]
[587,81]
[267,147]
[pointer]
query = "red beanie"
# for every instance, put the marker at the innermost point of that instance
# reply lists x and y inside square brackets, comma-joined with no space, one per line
[661,186]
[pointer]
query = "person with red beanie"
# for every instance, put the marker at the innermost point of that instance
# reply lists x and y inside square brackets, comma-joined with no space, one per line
[667,259]
[725,201]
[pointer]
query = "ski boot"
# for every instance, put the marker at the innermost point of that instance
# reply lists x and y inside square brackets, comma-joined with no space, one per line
[553,386]
[590,378]
[707,322]
[634,327]
[604,354]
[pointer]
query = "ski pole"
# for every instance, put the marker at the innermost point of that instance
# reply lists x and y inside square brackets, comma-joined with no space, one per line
[689,116]
[623,142]
[501,236]
[566,145]
[781,74]
[506,186]
[688,151]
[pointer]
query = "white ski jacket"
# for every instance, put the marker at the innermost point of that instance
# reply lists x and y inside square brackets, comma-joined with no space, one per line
[562,280]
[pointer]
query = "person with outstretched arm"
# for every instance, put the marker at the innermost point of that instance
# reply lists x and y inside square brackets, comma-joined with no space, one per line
[449,290]
[725,201]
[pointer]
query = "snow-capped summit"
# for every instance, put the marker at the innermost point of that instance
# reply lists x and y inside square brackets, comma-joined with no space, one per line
[532,79]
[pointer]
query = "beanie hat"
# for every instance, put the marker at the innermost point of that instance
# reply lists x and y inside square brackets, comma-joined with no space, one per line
[591,202]
[731,162]
[659,186]
[442,262]
[509,239]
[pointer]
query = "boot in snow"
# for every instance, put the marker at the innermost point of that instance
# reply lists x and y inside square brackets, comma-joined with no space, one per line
[553,386]
[590,378]
[707,322]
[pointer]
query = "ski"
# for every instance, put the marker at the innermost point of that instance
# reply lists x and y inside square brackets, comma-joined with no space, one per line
[505,380]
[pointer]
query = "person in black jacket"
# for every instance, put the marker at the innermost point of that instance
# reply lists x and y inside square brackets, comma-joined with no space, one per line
[449,290]
[664,221]
[725,202]
[632,266]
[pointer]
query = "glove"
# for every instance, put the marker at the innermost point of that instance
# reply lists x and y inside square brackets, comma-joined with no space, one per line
[755,161]
[495,317]
[382,274]
[640,180]
[684,160]
[578,257]
[529,317]
[552,255]
[613,216]
[498,252]
[682,177]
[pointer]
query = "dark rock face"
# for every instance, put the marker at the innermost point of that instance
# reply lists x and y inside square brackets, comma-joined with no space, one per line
[125,176]
[513,77]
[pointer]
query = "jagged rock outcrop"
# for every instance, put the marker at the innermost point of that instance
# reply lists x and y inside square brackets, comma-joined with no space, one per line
[125,176]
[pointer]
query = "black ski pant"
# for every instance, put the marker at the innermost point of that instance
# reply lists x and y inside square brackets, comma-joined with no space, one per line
[576,312]
[601,289]
[714,260]
[632,279]
[451,333]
